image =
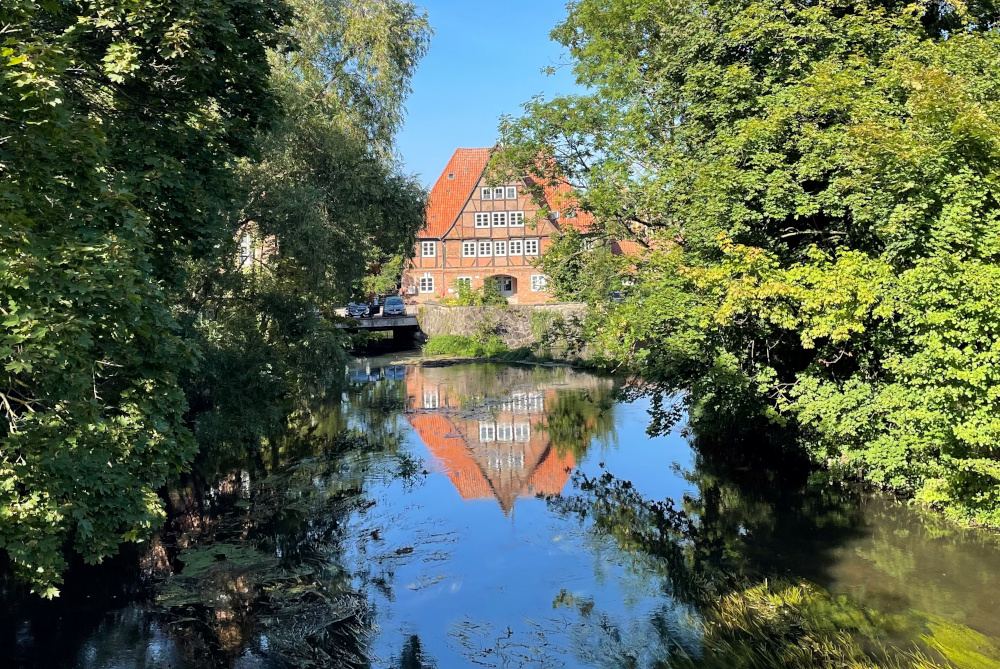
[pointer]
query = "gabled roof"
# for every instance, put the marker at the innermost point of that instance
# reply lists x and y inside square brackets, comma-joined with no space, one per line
[449,196]
[545,472]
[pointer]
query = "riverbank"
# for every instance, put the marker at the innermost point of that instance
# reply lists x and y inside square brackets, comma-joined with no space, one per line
[515,357]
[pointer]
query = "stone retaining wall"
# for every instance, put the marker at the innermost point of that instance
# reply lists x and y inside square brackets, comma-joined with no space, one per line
[554,328]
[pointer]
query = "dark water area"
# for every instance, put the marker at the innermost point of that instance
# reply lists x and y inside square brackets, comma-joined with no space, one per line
[500,516]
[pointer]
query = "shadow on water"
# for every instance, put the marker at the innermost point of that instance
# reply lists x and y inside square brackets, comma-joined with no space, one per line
[246,571]
[756,552]
[515,516]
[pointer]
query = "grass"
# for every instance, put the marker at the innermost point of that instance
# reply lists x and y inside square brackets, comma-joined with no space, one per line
[466,347]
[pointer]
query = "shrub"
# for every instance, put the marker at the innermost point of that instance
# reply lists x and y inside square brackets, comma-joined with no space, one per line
[487,295]
[466,347]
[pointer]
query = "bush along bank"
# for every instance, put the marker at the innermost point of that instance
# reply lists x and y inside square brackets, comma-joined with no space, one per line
[822,220]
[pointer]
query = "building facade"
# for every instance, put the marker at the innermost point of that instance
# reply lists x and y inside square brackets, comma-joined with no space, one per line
[478,232]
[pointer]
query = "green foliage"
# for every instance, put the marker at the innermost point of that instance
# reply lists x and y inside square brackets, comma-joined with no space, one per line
[582,269]
[466,347]
[136,144]
[819,183]
[389,277]
[113,166]
[487,295]
[323,202]
[575,419]
[962,646]
[782,624]
[715,554]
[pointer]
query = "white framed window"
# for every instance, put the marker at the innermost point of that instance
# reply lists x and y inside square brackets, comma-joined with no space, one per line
[246,249]
[499,219]
[485,249]
[522,432]
[498,193]
[487,432]
[483,219]
[499,249]
[432,400]
[539,283]
[468,249]
[464,282]
[428,249]
[516,219]
[588,244]
[426,284]
[517,247]
[511,192]
[531,247]
[505,432]
[486,194]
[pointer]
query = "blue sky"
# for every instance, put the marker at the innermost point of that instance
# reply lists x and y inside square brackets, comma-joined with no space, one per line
[485,60]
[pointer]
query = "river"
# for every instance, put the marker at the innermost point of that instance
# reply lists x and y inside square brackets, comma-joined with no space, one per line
[504,516]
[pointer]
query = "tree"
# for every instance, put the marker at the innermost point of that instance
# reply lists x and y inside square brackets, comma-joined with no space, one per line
[114,136]
[583,268]
[323,201]
[819,181]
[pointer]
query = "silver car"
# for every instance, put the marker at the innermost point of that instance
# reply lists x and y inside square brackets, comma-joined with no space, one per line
[394,307]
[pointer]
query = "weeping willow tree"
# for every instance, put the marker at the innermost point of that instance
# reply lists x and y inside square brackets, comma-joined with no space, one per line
[323,202]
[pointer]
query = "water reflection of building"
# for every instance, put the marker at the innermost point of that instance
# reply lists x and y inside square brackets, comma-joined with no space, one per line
[490,445]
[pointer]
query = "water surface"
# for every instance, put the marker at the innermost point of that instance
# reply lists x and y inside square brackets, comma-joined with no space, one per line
[453,516]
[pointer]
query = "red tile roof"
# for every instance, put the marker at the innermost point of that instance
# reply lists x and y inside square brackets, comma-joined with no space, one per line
[560,198]
[443,439]
[449,196]
[627,248]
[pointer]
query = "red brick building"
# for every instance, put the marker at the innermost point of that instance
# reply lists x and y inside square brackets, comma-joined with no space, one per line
[477,232]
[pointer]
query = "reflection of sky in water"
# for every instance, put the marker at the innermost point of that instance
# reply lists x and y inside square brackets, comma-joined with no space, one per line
[520,585]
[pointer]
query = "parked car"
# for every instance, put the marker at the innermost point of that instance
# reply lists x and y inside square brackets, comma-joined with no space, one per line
[358,310]
[394,307]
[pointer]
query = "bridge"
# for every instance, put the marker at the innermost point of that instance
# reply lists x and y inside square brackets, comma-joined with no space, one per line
[381,324]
